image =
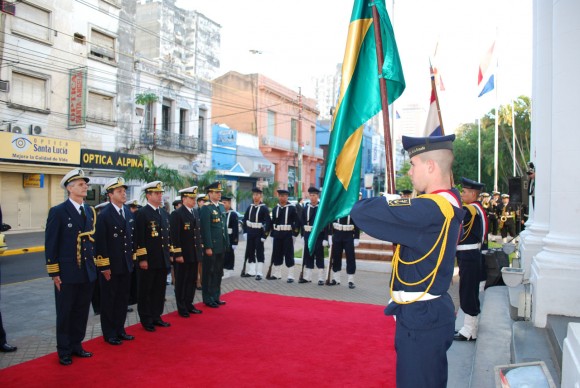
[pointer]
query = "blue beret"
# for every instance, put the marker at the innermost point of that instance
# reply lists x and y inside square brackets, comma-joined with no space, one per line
[471,184]
[313,190]
[282,191]
[418,145]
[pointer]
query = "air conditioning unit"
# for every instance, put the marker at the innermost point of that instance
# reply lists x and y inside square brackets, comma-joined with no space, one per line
[14,128]
[4,86]
[35,129]
[7,7]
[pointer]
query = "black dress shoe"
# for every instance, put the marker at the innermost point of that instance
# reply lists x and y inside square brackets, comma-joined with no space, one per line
[193,310]
[333,283]
[304,281]
[461,337]
[272,278]
[65,360]
[212,305]
[7,348]
[148,327]
[258,277]
[246,275]
[221,302]
[184,314]
[126,337]
[114,341]
[82,353]
[290,281]
[321,282]
[161,323]
[351,285]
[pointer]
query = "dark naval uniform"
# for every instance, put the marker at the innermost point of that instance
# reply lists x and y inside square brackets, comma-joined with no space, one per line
[308,215]
[256,224]
[69,250]
[114,249]
[153,244]
[285,226]
[492,216]
[425,313]
[233,233]
[344,233]
[214,235]
[186,239]
[508,212]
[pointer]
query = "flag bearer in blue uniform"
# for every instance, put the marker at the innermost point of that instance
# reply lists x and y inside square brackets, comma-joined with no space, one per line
[256,224]
[472,240]
[115,254]
[285,228]
[344,236]
[426,230]
[70,262]
[308,216]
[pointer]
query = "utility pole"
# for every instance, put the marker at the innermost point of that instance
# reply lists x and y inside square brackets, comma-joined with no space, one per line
[299,195]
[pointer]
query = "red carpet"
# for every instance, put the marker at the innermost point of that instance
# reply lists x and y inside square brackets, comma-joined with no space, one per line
[256,340]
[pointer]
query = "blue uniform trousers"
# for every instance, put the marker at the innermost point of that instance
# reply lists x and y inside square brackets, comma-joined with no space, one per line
[72,313]
[338,246]
[255,248]
[469,278]
[318,255]
[283,250]
[114,302]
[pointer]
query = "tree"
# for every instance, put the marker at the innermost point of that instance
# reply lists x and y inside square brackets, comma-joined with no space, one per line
[403,181]
[146,99]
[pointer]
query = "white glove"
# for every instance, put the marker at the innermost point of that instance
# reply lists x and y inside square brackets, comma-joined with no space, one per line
[356,242]
[263,239]
[324,243]
[329,240]
[234,247]
[391,197]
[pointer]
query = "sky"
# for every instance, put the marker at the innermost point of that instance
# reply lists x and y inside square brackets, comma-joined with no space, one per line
[299,39]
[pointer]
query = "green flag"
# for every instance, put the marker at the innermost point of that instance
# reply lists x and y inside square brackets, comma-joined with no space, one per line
[359,100]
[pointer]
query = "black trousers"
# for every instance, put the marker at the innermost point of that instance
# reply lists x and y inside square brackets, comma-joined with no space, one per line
[255,248]
[185,279]
[72,303]
[151,298]
[493,224]
[229,259]
[508,228]
[469,277]
[338,246]
[114,303]
[318,255]
[283,250]
[2,331]
[211,278]
[133,291]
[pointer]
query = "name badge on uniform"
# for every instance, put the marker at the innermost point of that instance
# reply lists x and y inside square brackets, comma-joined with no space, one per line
[187,226]
[154,232]
[400,202]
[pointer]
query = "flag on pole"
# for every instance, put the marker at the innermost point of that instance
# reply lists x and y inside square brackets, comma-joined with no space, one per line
[359,100]
[486,74]
[433,125]
[435,71]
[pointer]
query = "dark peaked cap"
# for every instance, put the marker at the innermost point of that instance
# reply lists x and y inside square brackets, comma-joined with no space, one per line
[418,145]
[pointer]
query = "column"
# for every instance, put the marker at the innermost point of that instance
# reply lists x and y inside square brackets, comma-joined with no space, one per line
[555,273]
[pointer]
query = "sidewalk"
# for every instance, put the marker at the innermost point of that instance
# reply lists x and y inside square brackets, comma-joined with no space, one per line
[29,314]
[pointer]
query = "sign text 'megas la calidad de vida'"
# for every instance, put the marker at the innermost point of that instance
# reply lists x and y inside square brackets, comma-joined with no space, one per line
[109,160]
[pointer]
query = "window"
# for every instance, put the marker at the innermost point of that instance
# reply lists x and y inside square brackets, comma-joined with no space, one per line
[183,114]
[102,46]
[271,123]
[166,115]
[100,108]
[28,90]
[33,22]
[201,125]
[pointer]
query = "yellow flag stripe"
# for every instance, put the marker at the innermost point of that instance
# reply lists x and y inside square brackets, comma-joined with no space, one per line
[357,30]
[347,157]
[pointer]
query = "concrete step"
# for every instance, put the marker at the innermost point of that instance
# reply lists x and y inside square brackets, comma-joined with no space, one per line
[371,249]
[557,329]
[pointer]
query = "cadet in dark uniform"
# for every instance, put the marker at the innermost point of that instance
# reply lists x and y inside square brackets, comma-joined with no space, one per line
[70,261]
[506,213]
[426,230]
[285,228]
[214,234]
[493,219]
[256,224]
[233,233]
[153,244]
[472,241]
[115,254]
[186,239]
[343,236]
[308,216]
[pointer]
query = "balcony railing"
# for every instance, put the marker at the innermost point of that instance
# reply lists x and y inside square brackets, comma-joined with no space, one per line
[287,145]
[173,142]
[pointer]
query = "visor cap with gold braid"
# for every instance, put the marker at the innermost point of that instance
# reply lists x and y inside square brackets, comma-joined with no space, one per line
[216,186]
[112,184]
[155,186]
[73,175]
[189,192]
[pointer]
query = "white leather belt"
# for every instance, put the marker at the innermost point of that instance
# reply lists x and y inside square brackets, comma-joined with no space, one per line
[283,227]
[230,231]
[405,296]
[307,228]
[468,247]
[346,228]
[254,225]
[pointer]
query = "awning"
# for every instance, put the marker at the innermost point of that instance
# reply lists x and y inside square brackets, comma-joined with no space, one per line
[254,162]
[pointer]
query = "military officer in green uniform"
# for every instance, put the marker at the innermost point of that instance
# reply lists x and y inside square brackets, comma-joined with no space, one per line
[214,235]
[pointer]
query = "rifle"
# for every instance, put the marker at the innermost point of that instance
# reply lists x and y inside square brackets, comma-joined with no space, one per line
[244,274]
[329,265]
[301,279]
[269,274]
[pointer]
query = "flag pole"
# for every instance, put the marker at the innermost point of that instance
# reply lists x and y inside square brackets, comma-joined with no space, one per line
[390,181]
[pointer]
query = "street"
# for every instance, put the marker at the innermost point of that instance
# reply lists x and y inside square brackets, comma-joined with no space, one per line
[23,267]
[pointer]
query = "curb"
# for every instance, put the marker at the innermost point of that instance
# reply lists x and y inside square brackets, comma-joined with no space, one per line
[20,251]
